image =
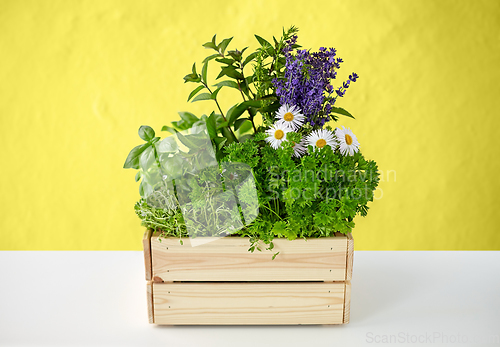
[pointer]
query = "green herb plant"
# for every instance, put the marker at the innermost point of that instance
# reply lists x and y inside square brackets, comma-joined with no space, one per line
[313,195]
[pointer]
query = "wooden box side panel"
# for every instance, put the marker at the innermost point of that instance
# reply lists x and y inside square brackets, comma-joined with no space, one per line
[149,292]
[248,303]
[350,256]
[347,302]
[228,259]
[146,246]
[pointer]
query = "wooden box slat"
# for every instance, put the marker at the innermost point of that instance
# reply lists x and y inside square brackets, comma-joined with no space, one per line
[249,303]
[228,259]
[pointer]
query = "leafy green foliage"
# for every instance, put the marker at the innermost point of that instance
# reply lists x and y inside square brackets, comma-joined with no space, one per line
[147,134]
[315,195]
[255,89]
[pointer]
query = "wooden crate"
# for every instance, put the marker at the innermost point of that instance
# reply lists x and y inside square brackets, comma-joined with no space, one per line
[221,283]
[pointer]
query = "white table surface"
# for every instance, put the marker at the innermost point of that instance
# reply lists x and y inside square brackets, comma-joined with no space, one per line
[99,299]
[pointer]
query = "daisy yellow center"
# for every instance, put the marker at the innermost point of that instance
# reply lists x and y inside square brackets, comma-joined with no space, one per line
[278,134]
[320,143]
[348,139]
[288,116]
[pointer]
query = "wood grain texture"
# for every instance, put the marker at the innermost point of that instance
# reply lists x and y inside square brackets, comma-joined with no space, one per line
[228,259]
[347,302]
[248,303]
[146,246]
[149,291]
[350,256]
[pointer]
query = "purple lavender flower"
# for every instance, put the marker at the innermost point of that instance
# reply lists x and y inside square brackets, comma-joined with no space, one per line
[306,83]
[289,44]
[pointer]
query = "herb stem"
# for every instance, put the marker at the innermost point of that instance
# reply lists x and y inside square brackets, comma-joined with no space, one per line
[222,114]
[253,96]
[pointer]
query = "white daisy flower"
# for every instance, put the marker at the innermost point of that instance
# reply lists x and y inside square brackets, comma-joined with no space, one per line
[277,134]
[299,149]
[348,142]
[290,116]
[322,137]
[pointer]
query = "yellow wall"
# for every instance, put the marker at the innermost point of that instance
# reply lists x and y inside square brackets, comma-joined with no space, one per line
[77,79]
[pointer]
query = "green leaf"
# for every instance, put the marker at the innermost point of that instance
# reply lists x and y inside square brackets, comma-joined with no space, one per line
[214,94]
[138,176]
[210,45]
[147,159]
[145,189]
[186,141]
[236,111]
[187,121]
[231,84]
[228,135]
[223,45]
[245,126]
[202,96]
[340,110]
[212,126]
[230,71]
[227,61]
[274,255]
[167,145]
[141,189]
[253,103]
[192,78]
[272,107]
[169,129]
[132,161]
[239,122]
[236,55]
[222,125]
[194,92]
[146,133]
[204,72]
[210,57]
[181,125]
[250,58]
[188,117]
[219,140]
[264,43]
[279,227]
